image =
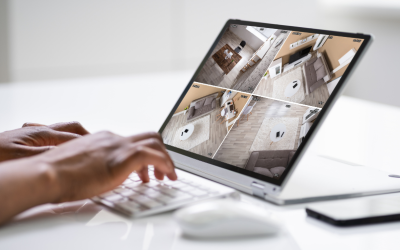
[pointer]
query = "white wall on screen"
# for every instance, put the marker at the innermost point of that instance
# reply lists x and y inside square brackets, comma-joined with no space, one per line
[251,40]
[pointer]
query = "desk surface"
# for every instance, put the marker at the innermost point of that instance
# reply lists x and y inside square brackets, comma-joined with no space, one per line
[356,132]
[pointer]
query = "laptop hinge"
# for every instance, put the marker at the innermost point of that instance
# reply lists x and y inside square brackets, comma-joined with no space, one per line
[258,189]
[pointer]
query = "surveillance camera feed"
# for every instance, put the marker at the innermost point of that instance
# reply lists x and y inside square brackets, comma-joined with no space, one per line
[257,96]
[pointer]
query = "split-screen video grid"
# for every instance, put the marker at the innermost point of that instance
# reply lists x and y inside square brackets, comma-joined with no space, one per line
[257,96]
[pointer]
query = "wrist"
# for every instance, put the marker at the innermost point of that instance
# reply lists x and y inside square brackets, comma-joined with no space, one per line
[48,177]
[26,183]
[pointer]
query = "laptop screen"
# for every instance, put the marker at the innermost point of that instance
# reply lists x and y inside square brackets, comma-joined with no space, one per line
[257,95]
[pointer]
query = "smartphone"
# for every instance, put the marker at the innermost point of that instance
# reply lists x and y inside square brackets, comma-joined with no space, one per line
[357,211]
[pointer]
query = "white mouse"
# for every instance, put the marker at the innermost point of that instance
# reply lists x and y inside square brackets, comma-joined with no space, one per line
[224,218]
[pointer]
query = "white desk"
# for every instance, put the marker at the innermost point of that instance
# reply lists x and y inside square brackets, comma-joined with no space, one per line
[120,104]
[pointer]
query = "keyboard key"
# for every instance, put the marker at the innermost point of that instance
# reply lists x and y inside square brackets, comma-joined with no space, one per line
[152,204]
[161,187]
[170,200]
[168,181]
[178,184]
[166,190]
[186,181]
[139,198]
[105,195]
[130,203]
[132,184]
[145,201]
[199,193]
[119,189]
[194,184]
[107,203]
[127,192]
[114,198]
[153,195]
[127,181]
[140,188]
[152,184]
[188,189]
[130,206]
[172,192]
[133,174]
[207,189]
[150,191]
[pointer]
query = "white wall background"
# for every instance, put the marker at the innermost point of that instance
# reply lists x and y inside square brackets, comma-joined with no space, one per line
[50,39]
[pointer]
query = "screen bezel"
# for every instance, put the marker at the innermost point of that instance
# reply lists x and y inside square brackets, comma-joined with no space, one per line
[317,121]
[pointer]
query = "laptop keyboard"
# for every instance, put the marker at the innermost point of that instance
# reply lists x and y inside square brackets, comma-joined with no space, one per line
[134,197]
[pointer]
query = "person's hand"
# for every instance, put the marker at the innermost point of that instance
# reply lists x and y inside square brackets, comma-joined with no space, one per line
[79,169]
[35,138]
[98,163]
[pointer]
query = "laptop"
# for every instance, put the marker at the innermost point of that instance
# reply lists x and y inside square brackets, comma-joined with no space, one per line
[248,115]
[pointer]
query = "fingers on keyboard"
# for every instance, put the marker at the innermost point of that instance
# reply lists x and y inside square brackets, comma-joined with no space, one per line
[136,196]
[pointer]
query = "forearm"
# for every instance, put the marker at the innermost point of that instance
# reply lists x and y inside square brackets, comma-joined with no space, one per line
[24,184]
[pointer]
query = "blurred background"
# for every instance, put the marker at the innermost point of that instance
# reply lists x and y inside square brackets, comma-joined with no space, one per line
[54,39]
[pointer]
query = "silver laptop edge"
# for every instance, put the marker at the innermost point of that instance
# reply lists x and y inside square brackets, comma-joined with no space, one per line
[237,181]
